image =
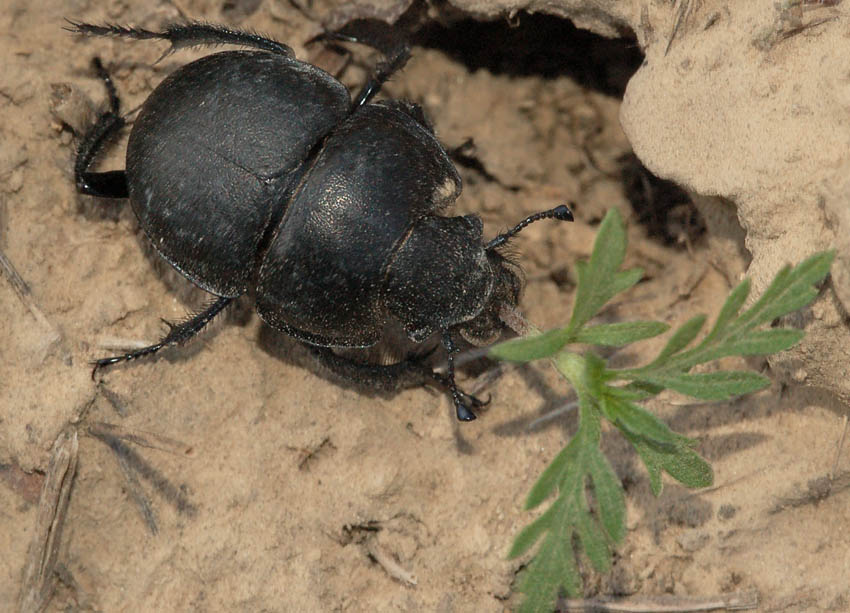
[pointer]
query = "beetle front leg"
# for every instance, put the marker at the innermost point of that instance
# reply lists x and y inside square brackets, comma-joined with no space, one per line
[394,62]
[378,36]
[461,408]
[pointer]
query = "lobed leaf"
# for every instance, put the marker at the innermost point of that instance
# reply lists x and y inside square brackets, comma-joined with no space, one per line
[765,342]
[529,535]
[681,338]
[730,308]
[722,385]
[600,279]
[552,476]
[531,348]
[619,334]
[682,463]
[641,423]
[593,541]
[608,490]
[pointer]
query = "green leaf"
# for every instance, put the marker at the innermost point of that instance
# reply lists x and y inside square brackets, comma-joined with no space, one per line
[532,532]
[730,308]
[575,523]
[619,334]
[765,342]
[593,540]
[722,385]
[553,567]
[680,339]
[681,463]
[689,469]
[599,279]
[530,348]
[608,491]
[545,485]
[640,423]
[791,289]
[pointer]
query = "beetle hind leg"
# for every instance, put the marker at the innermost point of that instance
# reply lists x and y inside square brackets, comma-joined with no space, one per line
[112,184]
[182,35]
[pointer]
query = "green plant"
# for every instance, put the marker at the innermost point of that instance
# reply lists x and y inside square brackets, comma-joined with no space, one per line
[577,522]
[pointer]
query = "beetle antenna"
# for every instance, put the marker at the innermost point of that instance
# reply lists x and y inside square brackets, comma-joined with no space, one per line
[561,212]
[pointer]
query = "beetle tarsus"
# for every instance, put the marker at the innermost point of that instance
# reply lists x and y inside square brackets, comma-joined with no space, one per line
[461,409]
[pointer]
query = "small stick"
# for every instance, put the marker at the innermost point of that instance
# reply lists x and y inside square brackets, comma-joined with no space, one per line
[39,578]
[834,470]
[735,601]
[392,568]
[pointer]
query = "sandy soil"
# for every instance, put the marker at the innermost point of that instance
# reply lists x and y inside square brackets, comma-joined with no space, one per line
[286,491]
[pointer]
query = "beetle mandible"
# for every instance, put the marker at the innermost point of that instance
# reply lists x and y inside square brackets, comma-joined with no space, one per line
[251,170]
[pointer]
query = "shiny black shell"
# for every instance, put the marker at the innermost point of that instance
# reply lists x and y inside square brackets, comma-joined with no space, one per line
[251,171]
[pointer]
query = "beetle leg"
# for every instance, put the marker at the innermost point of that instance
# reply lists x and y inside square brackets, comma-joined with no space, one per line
[462,410]
[381,37]
[179,333]
[394,62]
[186,35]
[112,184]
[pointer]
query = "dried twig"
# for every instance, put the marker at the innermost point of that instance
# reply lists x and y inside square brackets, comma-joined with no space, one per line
[735,601]
[834,470]
[392,568]
[684,9]
[39,577]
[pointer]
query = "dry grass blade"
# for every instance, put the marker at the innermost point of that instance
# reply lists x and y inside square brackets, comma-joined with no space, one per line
[23,291]
[141,438]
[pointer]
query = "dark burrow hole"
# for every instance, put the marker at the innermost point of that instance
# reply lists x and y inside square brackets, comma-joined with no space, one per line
[551,47]
[537,45]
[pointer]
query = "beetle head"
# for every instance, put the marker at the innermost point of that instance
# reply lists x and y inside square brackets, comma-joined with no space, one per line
[442,276]
[487,326]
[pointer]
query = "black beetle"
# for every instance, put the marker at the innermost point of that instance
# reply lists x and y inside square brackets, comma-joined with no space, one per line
[251,170]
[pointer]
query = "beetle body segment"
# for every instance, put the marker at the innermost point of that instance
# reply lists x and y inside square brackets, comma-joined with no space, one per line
[323,278]
[212,155]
